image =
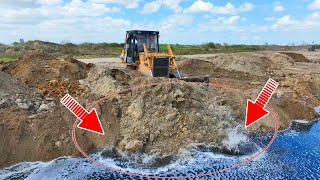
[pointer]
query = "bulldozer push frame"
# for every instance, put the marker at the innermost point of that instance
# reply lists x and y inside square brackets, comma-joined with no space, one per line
[142,53]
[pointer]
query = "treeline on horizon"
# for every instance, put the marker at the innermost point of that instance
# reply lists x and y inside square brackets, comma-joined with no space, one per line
[92,50]
[115,44]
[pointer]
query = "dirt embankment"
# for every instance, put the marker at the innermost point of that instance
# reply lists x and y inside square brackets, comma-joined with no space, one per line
[157,119]
[33,124]
[296,97]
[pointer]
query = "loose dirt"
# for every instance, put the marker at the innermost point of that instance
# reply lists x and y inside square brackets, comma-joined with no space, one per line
[175,114]
[161,119]
[51,75]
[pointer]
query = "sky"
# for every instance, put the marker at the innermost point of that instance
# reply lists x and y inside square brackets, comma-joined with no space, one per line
[179,21]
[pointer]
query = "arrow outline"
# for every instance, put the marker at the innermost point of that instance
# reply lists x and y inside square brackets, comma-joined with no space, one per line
[68,96]
[273,83]
[247,114]
[94,109]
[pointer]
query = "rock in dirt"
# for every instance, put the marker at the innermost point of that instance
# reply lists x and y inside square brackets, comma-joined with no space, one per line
[58,144]
[134,146]
[101,82]
[136,108]
[23,106]
[15,93]
[43,108]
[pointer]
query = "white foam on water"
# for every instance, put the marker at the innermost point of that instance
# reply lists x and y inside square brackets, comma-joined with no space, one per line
[190,159]
[77,168]
[317,109]
[234,139]
[301,121]
[189,162]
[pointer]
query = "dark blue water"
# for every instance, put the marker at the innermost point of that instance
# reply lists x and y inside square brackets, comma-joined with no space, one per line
[293,155]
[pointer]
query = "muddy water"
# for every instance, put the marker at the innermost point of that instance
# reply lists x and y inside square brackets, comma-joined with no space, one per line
[293,155]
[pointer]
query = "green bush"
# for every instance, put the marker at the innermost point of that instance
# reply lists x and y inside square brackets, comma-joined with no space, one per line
[210,45]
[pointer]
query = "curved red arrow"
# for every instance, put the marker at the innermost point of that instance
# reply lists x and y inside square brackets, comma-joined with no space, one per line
[89,121]
[255,110]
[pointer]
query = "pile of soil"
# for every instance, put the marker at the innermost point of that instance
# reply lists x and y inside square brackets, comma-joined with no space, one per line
[16,94]
[38,137]
[56,88]
[165,118]
[102,81]
[159,119]
[236,66]
[295,98]
[279,59]
[296,57]
[39,69]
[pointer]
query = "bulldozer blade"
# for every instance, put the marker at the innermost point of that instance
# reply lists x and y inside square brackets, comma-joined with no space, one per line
[187,78]
[202,79]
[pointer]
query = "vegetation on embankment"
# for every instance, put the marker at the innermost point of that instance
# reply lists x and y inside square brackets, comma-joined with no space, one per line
[95,50]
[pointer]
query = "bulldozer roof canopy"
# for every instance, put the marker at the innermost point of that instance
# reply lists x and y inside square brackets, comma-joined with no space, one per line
[142,32]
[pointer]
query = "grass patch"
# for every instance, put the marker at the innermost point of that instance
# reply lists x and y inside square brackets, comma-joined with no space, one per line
[104,50]
[209,48]
[8,57]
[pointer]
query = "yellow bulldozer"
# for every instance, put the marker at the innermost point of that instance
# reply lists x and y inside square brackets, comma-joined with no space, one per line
[142,53]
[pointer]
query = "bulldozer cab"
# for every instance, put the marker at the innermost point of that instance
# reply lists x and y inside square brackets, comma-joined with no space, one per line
[135,41]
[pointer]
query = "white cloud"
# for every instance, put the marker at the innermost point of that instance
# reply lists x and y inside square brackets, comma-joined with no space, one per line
[168,25]
[28,3]
[278,7]
[287,23]
[223,24]
[246,7]
[179,19]
[269,18]
[130,4]
[232,20]
[79,8]
[49,2]
[74,8]
[315,5]
[199,7]
[173,4]
[56,22]
[154,6]
[151,7]
[229,8]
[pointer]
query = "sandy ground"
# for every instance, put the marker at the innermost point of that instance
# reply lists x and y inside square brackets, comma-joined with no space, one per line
[182,114]
[312,56]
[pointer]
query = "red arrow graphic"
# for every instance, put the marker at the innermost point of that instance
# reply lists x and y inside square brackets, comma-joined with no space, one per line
[89,121]
[256,111]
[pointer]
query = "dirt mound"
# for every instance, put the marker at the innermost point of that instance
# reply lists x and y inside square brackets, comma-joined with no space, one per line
[296,57]
[10,85]
[16,94]
[278,58]
[56,88]
[197,67]
[36,69]
[250,63]
[178,115]
[237,66]
[45,136]
[102,80]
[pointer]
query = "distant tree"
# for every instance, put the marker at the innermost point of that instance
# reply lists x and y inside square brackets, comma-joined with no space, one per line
[211,45]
